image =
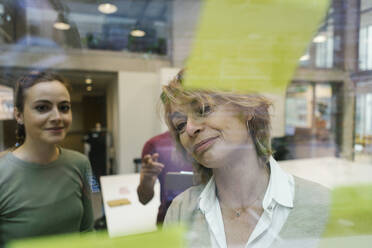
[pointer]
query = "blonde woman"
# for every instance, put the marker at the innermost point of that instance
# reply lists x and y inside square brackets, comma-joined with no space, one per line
[246,199]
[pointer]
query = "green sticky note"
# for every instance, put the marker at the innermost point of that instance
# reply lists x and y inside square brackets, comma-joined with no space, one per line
[251,45]
[169,238]
[351,211]
[350,220]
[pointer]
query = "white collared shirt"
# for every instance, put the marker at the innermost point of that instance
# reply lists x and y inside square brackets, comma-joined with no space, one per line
[277,203]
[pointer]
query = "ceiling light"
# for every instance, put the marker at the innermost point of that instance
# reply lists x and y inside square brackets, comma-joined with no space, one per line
[61,26]
[88,80]
[61,23]
[89,88]
[320,38]
[137,33]
[107,8]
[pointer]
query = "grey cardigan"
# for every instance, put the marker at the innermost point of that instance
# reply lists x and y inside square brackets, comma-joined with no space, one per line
[303,228]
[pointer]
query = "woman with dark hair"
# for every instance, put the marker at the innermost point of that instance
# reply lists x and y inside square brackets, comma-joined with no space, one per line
[44,189]
[246,199]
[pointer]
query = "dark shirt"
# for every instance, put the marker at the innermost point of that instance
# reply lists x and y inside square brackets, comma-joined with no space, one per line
[172,160]
[97,153]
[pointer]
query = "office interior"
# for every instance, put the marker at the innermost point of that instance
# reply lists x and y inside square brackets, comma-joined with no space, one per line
[116,76]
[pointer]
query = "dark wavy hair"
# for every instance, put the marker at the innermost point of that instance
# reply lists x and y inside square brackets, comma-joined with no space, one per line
[25,82]
[253,105]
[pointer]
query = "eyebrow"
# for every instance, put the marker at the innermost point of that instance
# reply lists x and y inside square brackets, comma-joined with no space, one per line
[49,102]
[176,115]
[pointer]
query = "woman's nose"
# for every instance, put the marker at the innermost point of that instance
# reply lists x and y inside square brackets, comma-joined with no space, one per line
[193,127]
[56,114]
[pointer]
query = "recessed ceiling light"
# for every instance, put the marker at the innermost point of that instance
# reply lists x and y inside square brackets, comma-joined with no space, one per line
[137,33]
[61,26]
[88,80]
[107,8]
[61,23]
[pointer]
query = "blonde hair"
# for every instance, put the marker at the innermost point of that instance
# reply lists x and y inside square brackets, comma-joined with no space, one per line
[254,106]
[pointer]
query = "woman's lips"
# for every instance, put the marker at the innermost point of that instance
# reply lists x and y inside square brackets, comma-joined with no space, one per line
[204,144]
[55,129]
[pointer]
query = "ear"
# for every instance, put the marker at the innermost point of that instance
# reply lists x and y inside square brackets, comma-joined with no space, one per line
[18,116]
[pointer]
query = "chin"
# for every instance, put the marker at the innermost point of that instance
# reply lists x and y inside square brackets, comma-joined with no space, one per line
[55,141]
[212,158]
[209,159]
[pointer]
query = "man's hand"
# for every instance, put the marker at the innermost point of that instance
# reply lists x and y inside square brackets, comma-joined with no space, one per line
[150,170]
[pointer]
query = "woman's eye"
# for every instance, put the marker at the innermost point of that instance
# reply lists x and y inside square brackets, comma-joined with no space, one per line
[204,110]
[65,108]
[42,108]
[180,127]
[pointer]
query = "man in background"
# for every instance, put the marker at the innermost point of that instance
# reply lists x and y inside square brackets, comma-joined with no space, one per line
[159,156]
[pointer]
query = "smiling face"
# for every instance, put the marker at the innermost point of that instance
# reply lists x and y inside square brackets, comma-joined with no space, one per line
[46,113]
[211,134]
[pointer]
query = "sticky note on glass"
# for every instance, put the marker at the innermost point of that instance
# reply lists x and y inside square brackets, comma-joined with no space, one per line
[350,218]
[251,45]
[169,238]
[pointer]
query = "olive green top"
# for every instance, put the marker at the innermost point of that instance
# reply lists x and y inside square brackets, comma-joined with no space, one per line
[46,199]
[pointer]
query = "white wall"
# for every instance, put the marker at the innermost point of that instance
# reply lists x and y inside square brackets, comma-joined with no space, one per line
[112,106]
[138,119]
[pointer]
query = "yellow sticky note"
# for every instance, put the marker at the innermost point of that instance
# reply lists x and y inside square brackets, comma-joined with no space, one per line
[350,218]
[169,238]
[251,45]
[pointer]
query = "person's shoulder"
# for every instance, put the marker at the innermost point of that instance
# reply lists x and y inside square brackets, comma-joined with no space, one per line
[311,192]
[75,156]
[310,185]
[311,208]
[3,153]
[189,198]
[183,206]
[152,145]
[8,165]
[160,139]
[4,159]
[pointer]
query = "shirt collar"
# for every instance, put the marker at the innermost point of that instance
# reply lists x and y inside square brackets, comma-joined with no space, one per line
[207,198]
[280,188]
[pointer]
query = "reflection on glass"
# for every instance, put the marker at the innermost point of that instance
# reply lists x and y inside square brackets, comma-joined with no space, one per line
[87,25]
